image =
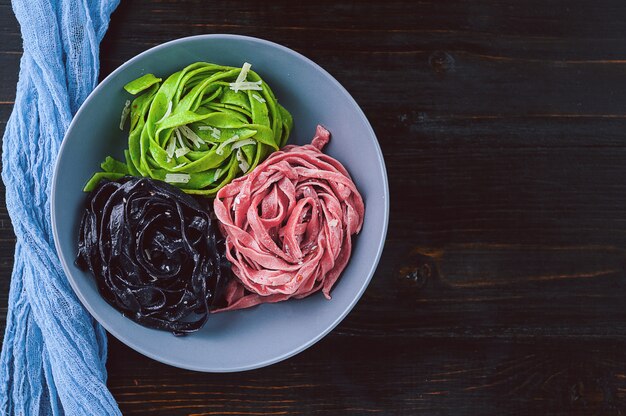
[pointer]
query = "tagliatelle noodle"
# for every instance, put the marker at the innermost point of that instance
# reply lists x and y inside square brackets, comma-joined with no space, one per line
[288,225]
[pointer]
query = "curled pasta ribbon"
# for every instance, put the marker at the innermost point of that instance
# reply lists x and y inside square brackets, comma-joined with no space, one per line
[154,252]
[200,128]
[288,226]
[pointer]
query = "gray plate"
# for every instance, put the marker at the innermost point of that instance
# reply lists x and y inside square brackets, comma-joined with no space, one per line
[265,334]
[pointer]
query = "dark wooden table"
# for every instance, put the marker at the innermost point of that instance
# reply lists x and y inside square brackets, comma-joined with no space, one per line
[502,287]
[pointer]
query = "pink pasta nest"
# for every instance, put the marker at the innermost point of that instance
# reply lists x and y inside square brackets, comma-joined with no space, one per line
[288,225]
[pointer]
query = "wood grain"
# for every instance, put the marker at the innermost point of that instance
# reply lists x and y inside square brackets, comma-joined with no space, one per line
[502,286]
[362,375]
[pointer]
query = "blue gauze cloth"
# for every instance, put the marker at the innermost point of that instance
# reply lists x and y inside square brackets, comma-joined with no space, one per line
[54,352]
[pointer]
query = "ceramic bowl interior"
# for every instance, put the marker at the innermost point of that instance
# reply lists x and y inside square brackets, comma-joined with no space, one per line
[262,335]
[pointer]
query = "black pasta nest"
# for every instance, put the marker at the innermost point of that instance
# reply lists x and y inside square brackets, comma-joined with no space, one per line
[155,252]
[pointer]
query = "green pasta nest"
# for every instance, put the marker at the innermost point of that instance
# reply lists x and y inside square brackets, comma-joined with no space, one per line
[199,129]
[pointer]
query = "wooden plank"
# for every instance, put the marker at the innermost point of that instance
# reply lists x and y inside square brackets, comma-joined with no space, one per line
[398,375]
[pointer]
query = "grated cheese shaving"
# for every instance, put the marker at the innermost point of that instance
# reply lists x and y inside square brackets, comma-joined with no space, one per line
[217,174]
[258,98]
[177,177]
[214,132]
[241,78]
[243,73]
[333,222]
[125,113]
[171,146]
[179,137]
[191,135]
[243,163]
[182,152]
[220,148]
[244,86]
[242,143]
